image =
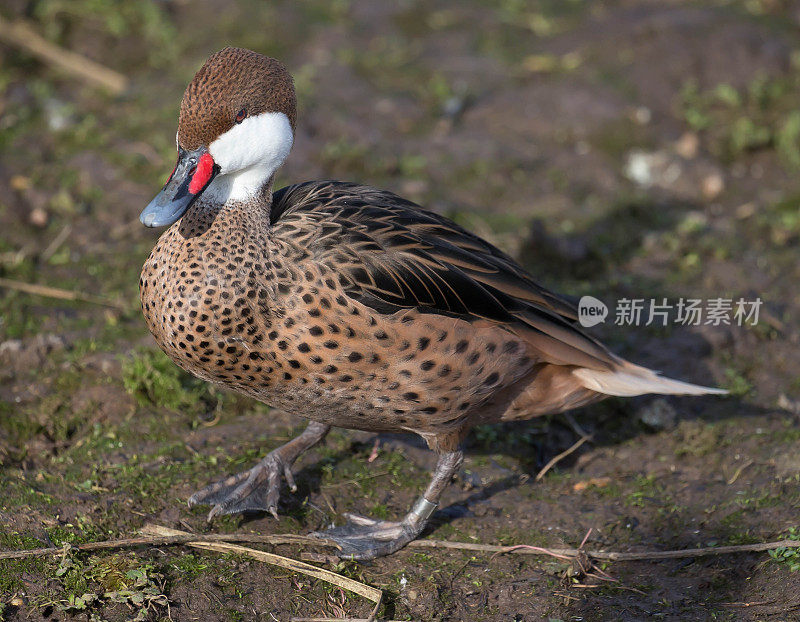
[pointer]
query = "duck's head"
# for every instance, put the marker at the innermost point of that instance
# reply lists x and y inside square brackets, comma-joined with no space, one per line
[235,129]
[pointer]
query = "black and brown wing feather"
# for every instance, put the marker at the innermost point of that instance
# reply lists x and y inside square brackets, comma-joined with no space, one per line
[392,254]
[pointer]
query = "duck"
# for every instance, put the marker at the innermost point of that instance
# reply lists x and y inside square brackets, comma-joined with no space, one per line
[347,305]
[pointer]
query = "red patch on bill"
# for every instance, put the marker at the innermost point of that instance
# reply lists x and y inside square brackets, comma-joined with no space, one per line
[202,174]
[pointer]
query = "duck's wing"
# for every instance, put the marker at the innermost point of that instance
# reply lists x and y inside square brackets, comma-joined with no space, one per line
[391,254]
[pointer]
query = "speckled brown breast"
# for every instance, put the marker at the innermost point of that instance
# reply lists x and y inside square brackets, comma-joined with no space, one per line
[247,305]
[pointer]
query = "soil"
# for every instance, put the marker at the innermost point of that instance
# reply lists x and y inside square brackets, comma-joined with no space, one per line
[625,149]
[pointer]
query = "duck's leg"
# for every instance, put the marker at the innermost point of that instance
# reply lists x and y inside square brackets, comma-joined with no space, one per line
[259,488]
[367,538]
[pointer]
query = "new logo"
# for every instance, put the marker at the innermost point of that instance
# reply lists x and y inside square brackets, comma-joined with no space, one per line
[591,311]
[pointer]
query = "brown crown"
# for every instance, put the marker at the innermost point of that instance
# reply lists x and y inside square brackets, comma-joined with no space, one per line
[231,80]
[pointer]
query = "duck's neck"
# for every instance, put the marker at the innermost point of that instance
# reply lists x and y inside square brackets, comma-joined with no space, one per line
[254,183]
[210,215]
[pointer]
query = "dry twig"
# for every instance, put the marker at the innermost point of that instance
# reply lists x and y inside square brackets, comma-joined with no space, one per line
[608,555]
[51,249]
[20,34]
[738,471]
[181,537]
[61,294]
[560,457]
[163,540]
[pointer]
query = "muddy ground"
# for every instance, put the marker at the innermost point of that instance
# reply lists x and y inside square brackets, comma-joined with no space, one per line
[618,149]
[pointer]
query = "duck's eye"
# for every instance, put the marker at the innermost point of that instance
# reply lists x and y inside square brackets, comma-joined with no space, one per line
[241,115]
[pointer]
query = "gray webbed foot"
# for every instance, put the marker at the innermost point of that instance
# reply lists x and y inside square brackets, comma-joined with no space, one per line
[363,538]
[256,490]
[260,488]
[366,538]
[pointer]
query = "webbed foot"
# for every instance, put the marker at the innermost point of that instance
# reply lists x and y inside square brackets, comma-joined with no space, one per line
[259,488]
[363,538]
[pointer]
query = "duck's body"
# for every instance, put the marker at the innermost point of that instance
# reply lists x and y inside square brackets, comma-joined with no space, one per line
[350,306]
[284,302]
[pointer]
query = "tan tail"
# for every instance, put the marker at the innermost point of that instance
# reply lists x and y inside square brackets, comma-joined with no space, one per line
[632,380]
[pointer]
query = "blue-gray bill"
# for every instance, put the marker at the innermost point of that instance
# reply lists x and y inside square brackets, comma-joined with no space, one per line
[193,173]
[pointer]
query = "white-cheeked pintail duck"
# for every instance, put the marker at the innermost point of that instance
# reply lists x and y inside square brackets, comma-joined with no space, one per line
[347,305]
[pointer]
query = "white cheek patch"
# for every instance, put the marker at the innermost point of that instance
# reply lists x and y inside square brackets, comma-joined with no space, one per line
[261,141]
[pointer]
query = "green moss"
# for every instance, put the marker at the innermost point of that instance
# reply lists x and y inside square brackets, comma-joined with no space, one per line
[153,379]
[697,438]
[190,566]
[647,490]
[379,510]
[16,492]
[734,121]
[145,20]
[12,570]
[736,384]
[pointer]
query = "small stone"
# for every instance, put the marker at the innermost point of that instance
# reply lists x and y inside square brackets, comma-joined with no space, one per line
[687,145]
[38,217]
[646,168]
[20,183]
[659,414]
[712,186]
[454,106]
[642,115]
[12,346]
[745,210]
[788,404]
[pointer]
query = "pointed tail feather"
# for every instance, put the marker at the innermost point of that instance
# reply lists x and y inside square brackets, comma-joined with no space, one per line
[632,380]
